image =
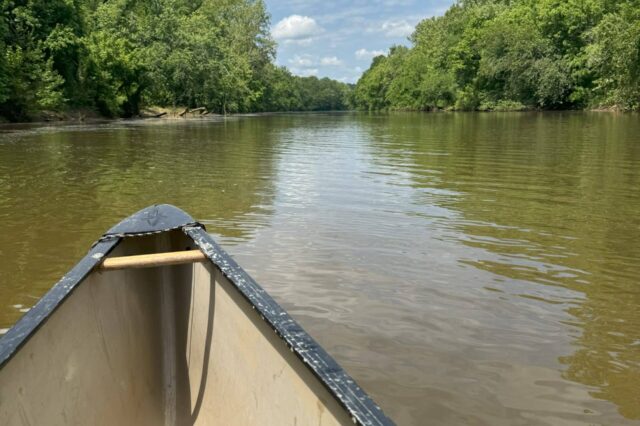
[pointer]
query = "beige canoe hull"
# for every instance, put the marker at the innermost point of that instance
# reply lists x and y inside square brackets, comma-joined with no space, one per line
[170,345]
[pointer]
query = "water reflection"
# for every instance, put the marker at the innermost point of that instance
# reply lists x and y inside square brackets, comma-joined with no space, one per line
[61,188]
[465,268]
[549,199]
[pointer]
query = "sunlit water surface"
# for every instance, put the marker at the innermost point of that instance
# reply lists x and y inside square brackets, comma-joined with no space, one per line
[464,268]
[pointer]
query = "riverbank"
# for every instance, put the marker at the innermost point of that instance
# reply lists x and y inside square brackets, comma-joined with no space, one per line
[182,113]
[509,106]
[86,115]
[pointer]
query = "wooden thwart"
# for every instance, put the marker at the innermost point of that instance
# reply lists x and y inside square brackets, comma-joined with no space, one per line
[153,260]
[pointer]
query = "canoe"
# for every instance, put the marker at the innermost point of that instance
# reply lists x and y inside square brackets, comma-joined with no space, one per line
[158,325]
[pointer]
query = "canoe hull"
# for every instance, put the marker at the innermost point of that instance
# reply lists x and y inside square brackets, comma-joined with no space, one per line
[187,344]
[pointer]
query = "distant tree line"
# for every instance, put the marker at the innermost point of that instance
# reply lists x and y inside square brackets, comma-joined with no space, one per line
[119,55]
[513,54]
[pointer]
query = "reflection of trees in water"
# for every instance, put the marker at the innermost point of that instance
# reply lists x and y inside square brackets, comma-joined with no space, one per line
[547,198]
[62,189]
[218,171]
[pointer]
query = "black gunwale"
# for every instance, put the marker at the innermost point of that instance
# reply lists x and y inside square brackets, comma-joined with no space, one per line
[163,218]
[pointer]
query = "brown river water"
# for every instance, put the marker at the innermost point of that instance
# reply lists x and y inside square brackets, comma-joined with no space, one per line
[478,269]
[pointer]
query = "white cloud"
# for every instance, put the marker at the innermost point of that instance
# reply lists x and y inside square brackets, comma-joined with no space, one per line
[296,28]
[331,60]
[305,72]
[301,42]
[400,28]
[301,61]
[368,54]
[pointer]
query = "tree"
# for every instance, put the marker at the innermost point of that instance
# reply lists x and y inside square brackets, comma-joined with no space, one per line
[614,55]
[486,54]
[29,81]
[119,55]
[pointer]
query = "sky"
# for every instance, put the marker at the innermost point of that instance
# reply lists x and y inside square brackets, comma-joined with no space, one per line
[338,39]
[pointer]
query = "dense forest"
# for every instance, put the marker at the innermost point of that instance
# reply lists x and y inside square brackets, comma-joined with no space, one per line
[117,56]
[513,54]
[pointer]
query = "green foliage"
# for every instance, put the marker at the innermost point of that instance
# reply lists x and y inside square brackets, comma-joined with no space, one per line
[499,54]
[615,55]
[518,63]
[29,80]
[117,55]
[114,62]
[371,90]
[501,106]
[4,71]
[286,92]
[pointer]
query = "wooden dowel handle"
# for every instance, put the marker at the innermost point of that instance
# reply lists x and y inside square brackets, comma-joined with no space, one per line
[152,260]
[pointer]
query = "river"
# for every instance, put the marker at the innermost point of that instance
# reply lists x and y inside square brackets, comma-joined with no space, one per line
[465,268]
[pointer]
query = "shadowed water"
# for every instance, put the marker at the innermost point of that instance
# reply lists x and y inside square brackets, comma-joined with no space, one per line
[464,268]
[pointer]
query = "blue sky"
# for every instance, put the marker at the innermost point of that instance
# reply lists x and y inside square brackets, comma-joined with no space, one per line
[338,39]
